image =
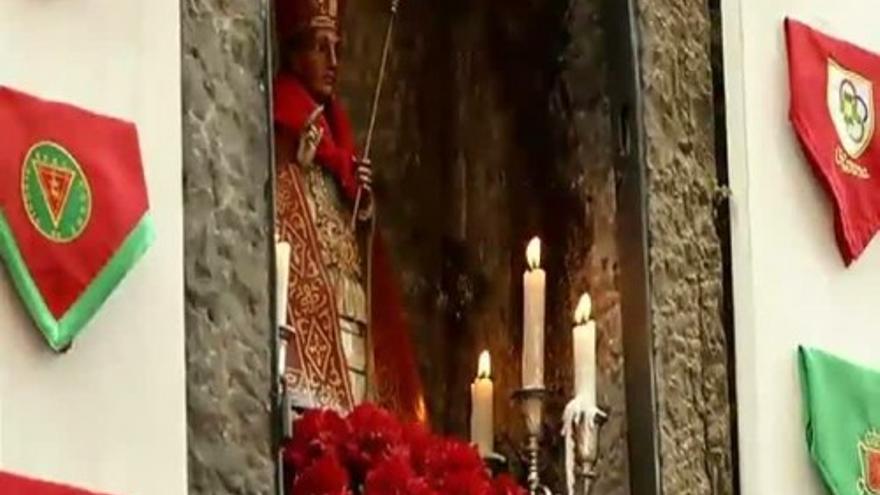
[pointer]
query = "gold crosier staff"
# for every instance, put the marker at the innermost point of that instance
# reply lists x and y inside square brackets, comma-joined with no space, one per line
[372,210]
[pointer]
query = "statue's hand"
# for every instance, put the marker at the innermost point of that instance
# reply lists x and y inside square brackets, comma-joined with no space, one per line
[364,172]
[309,139]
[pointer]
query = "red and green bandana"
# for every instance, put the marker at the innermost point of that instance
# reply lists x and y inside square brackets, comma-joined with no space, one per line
[74,215]
[842,406]
[833,107]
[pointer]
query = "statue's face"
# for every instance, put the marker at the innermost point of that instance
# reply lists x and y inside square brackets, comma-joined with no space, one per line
[316,62]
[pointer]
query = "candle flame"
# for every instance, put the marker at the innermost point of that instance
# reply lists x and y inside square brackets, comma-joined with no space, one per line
[533,253]
[584,308]
[484,369]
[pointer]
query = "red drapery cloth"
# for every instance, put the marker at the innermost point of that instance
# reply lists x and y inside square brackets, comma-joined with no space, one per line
[11,484]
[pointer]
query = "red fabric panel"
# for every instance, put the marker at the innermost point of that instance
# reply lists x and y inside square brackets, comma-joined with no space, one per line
[856,196]
[397,372]
[108,153]
[11,484]
[293,106]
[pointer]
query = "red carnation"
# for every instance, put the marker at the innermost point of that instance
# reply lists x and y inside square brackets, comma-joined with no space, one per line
[375,436]
[453,456]
[455,468]
[370,453]
[506,485]
[420,442]
[316,434]
[395,476]
[474,482]
[325,476]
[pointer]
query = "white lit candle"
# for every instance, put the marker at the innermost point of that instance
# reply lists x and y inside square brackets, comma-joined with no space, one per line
[282,278]
[482,404]
[534,287]
[584,338]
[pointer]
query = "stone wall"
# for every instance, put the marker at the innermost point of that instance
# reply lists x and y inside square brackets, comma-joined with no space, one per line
[686,260]
[227,233]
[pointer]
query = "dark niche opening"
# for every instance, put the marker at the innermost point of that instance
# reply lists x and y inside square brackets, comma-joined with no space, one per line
[493,127]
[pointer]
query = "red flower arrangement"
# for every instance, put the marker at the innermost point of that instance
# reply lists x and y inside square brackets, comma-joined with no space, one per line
[371,453]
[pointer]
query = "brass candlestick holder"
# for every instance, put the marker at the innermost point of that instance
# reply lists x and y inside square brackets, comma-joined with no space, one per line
[583,428]
[531,400]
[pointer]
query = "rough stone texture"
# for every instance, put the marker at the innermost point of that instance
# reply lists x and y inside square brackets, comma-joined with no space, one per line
[228,232]
[494,127]
[685,251]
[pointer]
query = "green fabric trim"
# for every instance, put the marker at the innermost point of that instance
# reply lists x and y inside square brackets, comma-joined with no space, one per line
[842,411]
[60,333]
[22,280]
[805,358]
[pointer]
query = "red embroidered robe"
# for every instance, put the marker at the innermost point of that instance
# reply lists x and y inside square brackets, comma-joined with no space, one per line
[316,362]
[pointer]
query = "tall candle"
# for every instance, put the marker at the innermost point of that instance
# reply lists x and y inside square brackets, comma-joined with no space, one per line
[482,404]
[282,278]
[584,338]
[534,288]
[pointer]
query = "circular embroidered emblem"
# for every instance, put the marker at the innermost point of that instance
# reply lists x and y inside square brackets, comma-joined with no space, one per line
[55,191]
[854,111]
[850,100]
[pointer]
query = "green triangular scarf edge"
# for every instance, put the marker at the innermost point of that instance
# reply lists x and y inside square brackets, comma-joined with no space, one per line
[803,368]
[805,356]
[60,333]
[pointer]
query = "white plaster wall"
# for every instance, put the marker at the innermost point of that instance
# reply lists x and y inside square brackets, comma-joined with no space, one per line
[790,285]
[110,415]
